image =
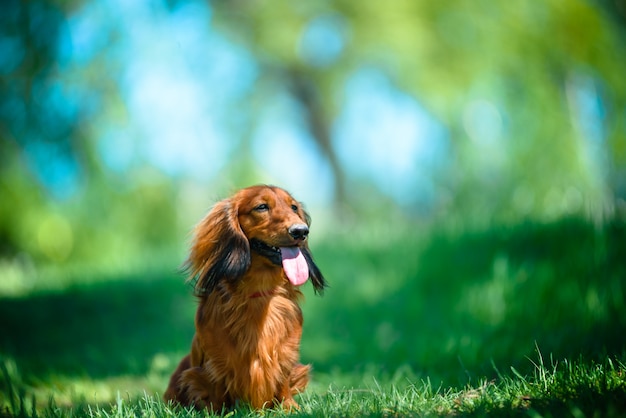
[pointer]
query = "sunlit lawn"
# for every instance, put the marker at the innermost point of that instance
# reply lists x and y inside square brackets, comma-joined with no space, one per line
[444,323]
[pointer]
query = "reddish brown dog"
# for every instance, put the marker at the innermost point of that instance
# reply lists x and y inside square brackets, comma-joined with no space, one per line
[248,257]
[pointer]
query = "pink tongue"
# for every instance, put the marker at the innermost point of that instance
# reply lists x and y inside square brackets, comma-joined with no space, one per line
[295,265]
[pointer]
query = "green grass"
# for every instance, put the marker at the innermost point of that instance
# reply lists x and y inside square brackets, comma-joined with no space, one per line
[524,320]
[554,390]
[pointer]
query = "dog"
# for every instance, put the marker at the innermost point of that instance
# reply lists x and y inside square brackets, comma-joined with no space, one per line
[248,257]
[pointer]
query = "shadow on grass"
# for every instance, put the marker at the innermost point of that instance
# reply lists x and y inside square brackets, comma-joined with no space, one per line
[98,330]
[458,305]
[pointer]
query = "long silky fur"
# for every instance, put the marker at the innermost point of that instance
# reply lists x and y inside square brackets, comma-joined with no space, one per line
[319,283]
[244,348]
[220,250]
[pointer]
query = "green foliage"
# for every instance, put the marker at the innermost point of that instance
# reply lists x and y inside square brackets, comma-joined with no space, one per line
[530,97]
[503,78]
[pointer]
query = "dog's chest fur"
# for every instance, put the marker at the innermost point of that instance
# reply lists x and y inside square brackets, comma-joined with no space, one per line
[251,343]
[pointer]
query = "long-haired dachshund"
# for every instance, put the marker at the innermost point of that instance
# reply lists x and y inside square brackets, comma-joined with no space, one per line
[247,259]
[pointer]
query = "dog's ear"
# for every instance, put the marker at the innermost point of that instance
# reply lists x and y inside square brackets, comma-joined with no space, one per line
[220,250]
[316,276]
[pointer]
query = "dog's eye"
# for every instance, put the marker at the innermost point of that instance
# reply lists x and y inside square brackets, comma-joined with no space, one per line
[262,207]
[294,208]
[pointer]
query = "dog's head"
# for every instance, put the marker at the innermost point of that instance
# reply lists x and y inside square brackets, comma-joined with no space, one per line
[262,219]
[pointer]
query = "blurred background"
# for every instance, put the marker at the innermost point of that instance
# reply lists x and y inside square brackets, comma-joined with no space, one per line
[121,123]
[472,150]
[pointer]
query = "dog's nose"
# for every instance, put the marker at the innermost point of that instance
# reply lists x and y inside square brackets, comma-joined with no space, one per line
[298,231]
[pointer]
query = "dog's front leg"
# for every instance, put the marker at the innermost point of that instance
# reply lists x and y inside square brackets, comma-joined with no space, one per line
[201,392]
[299,378]
[296,383]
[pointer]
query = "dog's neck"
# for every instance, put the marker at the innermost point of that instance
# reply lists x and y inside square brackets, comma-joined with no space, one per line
[270,252]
